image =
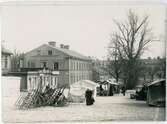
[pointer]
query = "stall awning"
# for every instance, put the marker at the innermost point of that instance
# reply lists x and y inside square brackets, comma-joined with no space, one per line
[85,84]
[156,82]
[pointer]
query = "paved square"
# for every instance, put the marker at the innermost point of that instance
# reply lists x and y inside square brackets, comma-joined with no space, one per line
[114,108]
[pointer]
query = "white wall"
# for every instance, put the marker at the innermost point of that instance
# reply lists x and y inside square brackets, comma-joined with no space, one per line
[10,86]
[10,92]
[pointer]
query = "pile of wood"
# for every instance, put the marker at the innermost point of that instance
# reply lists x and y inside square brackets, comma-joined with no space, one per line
[37,98]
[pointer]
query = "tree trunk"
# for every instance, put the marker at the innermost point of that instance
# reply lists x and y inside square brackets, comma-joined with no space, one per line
[132,76]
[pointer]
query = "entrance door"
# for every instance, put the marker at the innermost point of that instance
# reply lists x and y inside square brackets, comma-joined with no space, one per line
[56,66]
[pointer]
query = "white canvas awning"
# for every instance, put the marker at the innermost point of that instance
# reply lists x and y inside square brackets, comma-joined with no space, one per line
[77,90]
[84,84]
[156,82]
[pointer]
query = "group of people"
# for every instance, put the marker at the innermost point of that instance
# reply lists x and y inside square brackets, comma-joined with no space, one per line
[112,90]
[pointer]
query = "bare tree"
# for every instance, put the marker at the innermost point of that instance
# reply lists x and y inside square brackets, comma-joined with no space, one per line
[114,65]
[15,60]
[130,42]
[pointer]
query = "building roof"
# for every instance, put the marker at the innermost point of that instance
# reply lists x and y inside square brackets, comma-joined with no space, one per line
[156,82]
[5,51]
[71,53]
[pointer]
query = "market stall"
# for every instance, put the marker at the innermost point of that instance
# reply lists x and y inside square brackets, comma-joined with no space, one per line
[156,93]
[78,89]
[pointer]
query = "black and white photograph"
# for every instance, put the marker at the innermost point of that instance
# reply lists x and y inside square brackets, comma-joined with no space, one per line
[83,61]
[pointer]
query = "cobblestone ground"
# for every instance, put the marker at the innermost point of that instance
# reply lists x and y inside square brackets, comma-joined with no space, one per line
[115,108]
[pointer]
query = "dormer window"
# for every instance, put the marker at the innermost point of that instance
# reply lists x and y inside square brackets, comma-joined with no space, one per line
[50,52]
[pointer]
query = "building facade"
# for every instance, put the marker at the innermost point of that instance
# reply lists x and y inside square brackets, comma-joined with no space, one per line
[150,69]
[5,61]
[154,68]
[100,72]
[69,65]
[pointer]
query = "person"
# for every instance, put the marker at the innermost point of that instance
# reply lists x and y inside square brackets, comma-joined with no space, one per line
[123,90]
[101,90]
[89,97]
[111,90]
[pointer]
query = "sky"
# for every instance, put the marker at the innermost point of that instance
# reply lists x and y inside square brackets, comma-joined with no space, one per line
[86,28]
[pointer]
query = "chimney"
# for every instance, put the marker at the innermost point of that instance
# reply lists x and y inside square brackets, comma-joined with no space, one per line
[61,45]
[66,46]
[52,43]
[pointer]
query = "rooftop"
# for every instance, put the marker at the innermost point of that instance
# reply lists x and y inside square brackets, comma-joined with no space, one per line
[5,51]
[71,53]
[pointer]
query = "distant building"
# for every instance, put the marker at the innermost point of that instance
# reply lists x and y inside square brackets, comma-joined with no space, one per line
[154,68]
[69,65]
[100,70]
[5,60]
[152,62]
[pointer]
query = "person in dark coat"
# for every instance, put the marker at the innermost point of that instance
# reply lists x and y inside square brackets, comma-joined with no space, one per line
[89,97]
[123,90]
[111,90]
[101,90]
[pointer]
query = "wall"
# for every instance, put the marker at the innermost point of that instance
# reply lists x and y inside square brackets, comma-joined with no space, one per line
[39,80]
[79,70]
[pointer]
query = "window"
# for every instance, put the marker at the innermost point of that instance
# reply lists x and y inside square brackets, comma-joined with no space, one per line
[38,52]
[32,65]
[84,66]
[78,65]
[6,61]
[56,66]
[3,63]
[50,52]
[75,65]
[71,65]
[28,64]
[44,64]
[55,82]
[51,81]
[21,63]
[71,79]
[81,66]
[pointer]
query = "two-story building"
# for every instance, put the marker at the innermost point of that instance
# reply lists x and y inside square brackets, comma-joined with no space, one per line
[70,66]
